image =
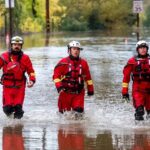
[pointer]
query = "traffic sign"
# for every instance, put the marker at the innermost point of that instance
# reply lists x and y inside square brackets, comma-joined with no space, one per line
[11,2]
[138,6]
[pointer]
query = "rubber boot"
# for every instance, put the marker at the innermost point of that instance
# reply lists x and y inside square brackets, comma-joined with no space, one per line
[139,112]
[8,110]
[18,112]
[148,114]
[78,113]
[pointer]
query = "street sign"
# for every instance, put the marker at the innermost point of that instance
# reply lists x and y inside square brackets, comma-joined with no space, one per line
[138,6]
[11,3]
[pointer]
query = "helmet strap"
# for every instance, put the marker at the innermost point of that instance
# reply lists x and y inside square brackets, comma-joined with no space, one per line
[69,49]
[143,56]
[74,58]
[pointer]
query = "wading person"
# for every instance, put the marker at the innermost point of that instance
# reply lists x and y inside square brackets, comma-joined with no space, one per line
[69,76]
[138,68]
[15,64]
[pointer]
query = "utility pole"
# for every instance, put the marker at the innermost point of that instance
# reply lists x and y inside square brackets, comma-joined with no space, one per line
[47,4]
[5,20]
[138,26]
[9,4]
[138,8]
[10,20]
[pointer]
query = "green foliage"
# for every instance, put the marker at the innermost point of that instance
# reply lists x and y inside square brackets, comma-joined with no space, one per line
[30,18]
[72,15]
[114,13]
[30,25]
[146,21]
[2,13]
[93,22]
[97,14]
[70,24]
[56,14]
[73,20]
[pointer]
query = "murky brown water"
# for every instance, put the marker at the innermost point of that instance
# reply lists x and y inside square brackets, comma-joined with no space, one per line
[109,122]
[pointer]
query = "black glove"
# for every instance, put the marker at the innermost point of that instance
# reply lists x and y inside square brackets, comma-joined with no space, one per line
[90,93]
[126,97]
[60,89]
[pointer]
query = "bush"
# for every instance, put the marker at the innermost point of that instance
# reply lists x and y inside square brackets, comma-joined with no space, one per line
[69,24]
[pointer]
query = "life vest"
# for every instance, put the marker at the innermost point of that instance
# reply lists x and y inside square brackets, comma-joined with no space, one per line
[13,74]
[141,69]
[73,80]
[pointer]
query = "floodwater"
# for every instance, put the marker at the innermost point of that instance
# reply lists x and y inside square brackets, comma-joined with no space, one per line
[108,123]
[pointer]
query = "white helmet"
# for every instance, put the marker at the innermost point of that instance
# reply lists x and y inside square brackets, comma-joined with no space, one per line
[74,44]
[16,39]
[142,43]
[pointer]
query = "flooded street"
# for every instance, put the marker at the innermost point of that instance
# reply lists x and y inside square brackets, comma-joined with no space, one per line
[109,121]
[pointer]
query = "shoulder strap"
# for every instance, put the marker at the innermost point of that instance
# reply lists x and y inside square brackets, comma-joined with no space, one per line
[3,59]
[149,59]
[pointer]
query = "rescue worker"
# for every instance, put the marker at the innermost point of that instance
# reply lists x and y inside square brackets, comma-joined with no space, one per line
[15,64]
[69,76]
[139,68]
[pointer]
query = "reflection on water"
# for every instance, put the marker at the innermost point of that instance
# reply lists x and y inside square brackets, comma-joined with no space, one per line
[12,138]
[71,137]
[75,138]
[142,142]
[71,140]
[59,39]
[109,122]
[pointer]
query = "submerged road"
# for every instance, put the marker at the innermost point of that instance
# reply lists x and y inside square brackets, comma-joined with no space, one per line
[109,121]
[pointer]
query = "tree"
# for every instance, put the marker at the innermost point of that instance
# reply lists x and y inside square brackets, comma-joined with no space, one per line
[72,15]
[146,21]
[2,14]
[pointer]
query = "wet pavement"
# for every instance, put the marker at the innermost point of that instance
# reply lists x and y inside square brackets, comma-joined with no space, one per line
[109,121]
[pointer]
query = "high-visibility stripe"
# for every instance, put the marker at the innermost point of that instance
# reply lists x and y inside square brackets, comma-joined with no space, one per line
[124,84]
[63,78]
[32,74]
[57,80]
[11,59]
[89,82]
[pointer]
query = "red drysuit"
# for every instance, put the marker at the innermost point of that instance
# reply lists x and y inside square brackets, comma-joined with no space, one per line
[139,68]
[13,78]
[69,76]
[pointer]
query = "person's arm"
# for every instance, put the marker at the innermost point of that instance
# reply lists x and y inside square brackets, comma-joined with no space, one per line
[2,61]
[30,72]
[126,78]
[88,80]
[58,75]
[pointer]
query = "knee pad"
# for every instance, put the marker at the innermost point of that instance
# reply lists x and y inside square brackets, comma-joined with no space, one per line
[78,109]
[8,109]
[140,111]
